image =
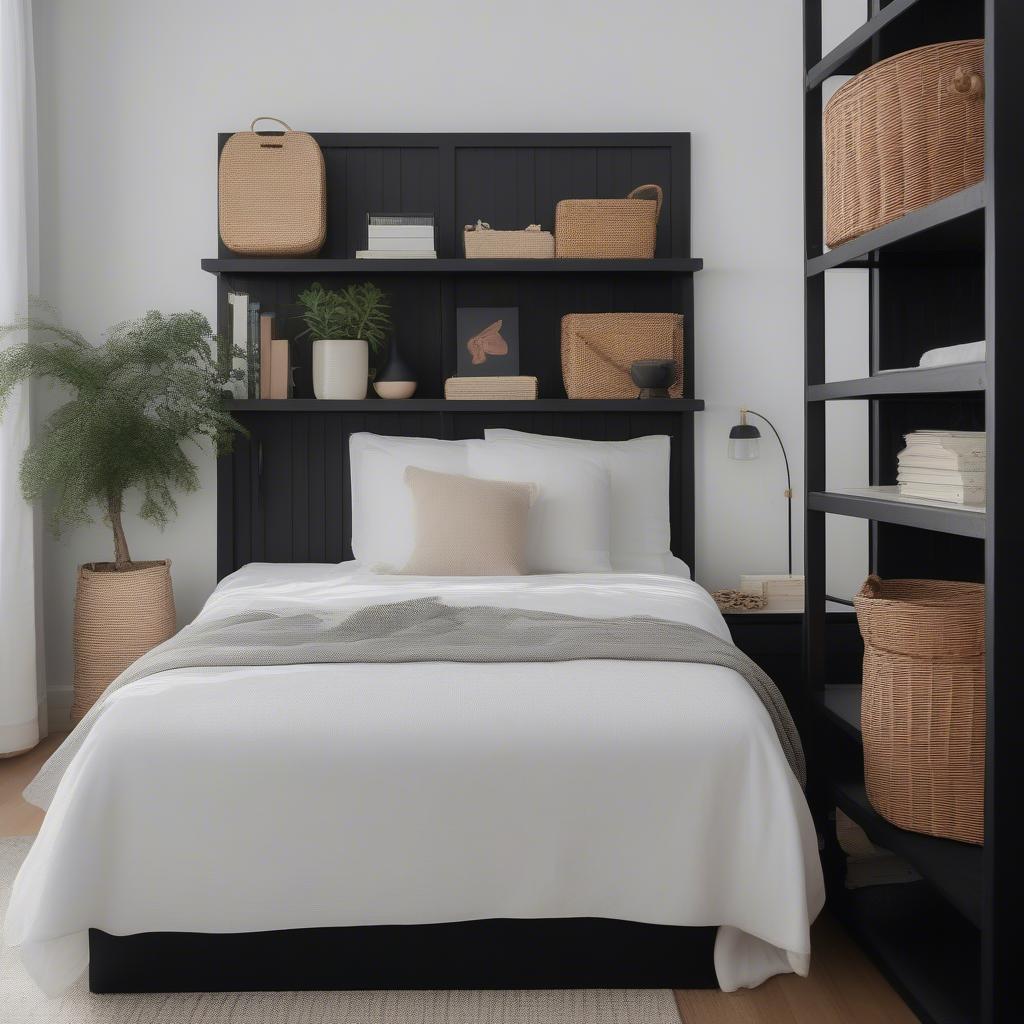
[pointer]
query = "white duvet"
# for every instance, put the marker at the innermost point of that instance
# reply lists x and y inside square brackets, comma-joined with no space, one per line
[233,800]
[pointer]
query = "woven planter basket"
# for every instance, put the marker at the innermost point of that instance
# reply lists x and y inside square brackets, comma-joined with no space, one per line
[272,193]
[904,133]
[923,704]
[608,228]
[599,348]
[119,616]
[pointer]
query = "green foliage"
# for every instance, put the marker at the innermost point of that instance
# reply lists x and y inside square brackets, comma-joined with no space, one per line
[151,386]
[358,311]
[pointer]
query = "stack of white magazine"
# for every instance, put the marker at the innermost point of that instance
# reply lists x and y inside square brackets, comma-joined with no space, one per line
[944,465]
[399,236]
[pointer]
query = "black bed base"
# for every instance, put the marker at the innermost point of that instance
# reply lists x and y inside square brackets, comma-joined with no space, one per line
[494,954]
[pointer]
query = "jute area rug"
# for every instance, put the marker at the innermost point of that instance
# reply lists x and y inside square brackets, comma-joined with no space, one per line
[22,1003]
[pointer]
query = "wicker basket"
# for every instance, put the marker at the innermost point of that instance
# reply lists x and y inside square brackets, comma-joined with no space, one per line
[904,133]
[118,617]
[599,348]
[923,704]
[608,228]
[271,193]
[482,242]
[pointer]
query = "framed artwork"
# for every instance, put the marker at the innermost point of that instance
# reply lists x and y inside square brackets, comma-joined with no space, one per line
[488,341]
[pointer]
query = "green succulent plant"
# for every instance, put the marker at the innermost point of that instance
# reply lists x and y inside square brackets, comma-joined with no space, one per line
[151,386]
[358,311]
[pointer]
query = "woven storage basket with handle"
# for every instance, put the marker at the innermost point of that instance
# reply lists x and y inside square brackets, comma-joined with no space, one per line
[609,228]
[599,348]
[119,616]
[923,704]
[902,134]
[271,193]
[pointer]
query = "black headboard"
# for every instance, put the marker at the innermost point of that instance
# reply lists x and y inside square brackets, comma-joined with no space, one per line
[283,495]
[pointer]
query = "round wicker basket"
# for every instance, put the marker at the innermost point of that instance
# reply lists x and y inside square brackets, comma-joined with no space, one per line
[904,133]
[118,617]
[923,704]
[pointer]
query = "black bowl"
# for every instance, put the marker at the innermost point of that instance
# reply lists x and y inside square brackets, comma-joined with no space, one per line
[653,376]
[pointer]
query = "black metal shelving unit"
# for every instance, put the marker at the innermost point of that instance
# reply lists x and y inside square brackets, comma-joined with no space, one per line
[945,274]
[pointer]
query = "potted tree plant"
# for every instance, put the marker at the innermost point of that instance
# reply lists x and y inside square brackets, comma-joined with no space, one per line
[344,327]
[135,399]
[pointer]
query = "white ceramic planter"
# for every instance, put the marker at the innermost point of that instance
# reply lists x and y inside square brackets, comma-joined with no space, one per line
[341,368]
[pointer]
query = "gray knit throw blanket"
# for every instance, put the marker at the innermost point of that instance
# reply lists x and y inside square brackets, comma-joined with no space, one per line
[427,630]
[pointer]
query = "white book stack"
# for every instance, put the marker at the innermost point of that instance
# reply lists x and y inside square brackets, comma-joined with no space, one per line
[944,465]
[399,236]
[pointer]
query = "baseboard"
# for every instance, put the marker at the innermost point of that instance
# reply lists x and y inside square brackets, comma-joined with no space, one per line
[58,708]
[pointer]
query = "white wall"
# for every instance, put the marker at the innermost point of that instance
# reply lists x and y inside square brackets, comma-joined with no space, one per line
[133,93]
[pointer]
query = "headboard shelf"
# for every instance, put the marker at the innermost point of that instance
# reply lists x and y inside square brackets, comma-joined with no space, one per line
[283,494]
[317,265]
[632,406]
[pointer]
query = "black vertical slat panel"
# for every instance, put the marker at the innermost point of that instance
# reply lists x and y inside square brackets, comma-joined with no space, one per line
[677,215]
[474,188]
[419,181]
[277,486]
[257,549]
[449,236]
[316,481]
[302,467]
[526,211]
[391,181]
[336,534]
[340,243]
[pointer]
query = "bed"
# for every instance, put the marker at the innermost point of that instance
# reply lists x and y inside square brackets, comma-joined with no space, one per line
[489,822]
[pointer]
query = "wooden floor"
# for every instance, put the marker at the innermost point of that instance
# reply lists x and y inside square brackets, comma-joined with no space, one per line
[843,987]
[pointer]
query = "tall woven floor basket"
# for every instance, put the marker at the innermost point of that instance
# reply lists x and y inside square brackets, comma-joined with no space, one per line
[119,616]
[923,704]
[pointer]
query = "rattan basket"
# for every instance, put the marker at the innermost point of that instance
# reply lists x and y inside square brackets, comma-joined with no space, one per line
[608,228]
[599,348]
[923,704]
[484,242]
[118,617]
[904,133]
[272,193]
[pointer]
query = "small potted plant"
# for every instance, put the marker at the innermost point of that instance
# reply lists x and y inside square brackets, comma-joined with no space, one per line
[344,327]
[135,399]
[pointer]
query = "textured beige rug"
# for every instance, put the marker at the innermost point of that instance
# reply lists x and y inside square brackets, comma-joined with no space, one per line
[22,1003]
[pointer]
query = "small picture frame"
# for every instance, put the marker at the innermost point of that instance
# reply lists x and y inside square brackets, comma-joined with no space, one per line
[487,341]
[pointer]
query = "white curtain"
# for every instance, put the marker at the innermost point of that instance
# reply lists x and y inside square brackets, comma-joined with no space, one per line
[22,699]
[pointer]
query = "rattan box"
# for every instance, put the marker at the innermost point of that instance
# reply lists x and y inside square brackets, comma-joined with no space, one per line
[484,242]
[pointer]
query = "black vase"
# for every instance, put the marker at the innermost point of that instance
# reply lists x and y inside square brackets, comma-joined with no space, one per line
[395,379]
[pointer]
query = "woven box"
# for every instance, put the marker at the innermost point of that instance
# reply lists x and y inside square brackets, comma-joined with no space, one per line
[483,242]
[271,193]
[609,228]
[904,133]
[923,704]
[599,348]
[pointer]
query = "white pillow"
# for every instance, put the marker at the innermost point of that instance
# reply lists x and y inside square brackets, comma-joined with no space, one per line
[638,474]
[383,513]
[570,520]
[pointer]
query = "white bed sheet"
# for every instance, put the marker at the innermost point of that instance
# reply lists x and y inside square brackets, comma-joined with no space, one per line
[231,800]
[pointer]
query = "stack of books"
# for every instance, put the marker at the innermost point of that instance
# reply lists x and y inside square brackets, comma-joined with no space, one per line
[490,388]
[399,236]
[265,371]
[944,465]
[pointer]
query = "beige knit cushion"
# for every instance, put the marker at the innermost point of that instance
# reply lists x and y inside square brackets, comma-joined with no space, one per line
[468,527]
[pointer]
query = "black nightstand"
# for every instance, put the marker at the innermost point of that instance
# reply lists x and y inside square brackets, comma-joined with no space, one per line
[775,641]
